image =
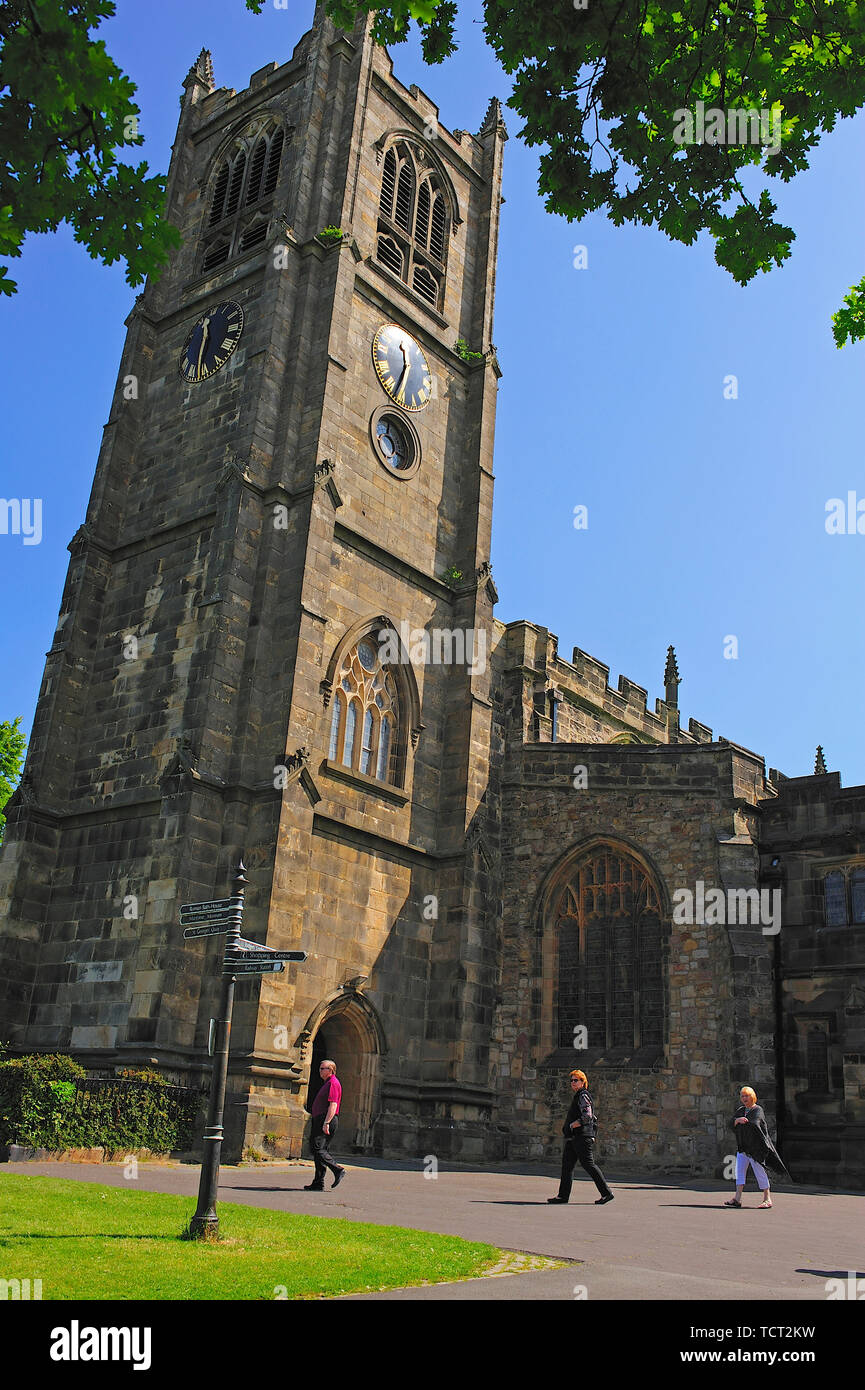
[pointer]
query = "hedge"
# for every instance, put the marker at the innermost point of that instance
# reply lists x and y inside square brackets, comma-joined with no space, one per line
[47,1102]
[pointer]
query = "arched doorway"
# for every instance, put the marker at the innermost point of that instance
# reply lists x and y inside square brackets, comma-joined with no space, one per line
[350,1035]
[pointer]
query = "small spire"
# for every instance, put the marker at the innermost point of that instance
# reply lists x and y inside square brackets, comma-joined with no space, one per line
[671,679]
[819,762]
[493,120]
[202,70]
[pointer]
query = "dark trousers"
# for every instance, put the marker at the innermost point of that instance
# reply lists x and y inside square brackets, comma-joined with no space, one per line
[580,1151]
[318,1143]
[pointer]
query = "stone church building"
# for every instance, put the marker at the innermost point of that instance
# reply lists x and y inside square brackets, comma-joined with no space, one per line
[277,641]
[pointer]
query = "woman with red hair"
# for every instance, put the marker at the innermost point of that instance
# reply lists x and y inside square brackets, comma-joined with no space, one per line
[579,1130]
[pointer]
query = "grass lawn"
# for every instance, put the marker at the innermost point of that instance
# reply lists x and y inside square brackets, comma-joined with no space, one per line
[90,1242]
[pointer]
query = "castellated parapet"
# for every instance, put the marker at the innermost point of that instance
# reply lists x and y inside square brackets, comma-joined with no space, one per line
[588,709]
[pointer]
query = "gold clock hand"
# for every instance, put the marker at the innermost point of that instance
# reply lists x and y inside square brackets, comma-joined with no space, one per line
[204,335]
[404,375]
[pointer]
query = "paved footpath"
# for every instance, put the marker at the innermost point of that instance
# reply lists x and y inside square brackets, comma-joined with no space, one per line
[669,1239]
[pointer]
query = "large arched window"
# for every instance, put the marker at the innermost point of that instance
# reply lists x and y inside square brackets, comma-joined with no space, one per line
[241,192]
[413,222]
[365,730]
[610,968]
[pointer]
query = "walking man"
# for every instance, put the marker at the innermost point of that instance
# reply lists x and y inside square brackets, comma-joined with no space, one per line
[325,1109]
[579,1129]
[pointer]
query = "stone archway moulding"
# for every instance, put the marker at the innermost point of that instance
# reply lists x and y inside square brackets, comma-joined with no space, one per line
[339,1002]
[556,875]
[411,137]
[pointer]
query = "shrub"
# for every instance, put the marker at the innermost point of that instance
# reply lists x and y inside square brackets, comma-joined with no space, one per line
[46,1102]
[466,353]
[36,1097]
[331,235]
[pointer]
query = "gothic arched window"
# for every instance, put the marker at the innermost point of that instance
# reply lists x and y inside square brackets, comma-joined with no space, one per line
[413,222]
[610,966]
[365,731]
[241,192]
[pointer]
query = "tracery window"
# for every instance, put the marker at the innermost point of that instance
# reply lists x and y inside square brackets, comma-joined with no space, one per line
[610,966]
[365,723]
[844,897]
[835,899]
[413,222]
[242,187]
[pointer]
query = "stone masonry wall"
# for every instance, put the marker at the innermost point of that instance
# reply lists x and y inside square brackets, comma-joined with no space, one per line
[672,807]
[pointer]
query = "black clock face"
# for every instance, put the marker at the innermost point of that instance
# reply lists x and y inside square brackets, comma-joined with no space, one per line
[401,367]
[211,341]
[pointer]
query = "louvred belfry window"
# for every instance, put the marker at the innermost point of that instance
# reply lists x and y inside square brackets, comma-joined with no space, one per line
[413,222]
[365,723]
[241,193]
[610,965]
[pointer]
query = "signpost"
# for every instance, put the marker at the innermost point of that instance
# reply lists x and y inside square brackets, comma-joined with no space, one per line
[254,967]
[240,957]
[222,911]
[205,931]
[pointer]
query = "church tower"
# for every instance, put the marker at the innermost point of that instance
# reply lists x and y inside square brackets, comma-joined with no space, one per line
[274,633]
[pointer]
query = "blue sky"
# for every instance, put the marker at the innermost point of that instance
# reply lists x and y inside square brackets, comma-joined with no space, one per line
[705,515]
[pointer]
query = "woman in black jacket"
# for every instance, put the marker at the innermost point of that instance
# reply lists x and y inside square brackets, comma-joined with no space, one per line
[579,1129]
[755,1148]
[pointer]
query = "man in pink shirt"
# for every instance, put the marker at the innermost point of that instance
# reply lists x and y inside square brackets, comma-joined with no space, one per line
[325,1109]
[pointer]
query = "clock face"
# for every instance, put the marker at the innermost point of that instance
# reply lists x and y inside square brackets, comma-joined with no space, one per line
[401,367]
[212,341]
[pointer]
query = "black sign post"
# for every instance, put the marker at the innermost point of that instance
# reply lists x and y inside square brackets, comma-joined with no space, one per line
[205,1223]
[240,957]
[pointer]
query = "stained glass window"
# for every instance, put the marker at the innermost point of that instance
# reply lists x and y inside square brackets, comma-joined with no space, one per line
[364,724]
[835,897]
[609,959]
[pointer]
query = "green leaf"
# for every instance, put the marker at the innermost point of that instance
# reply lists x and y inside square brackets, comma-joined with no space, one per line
[848,325]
